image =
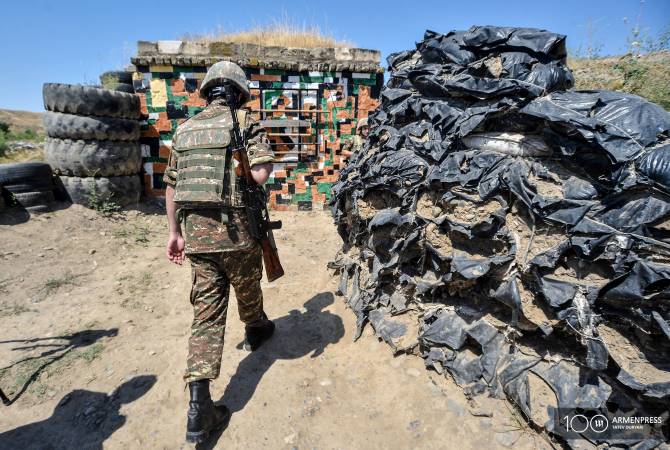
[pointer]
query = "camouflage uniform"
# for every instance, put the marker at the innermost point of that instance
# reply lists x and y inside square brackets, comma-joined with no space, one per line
[222,253]
[356,143]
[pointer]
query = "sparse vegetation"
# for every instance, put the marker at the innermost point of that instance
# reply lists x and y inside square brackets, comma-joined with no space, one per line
[284,32]
[92,352]
[9,134]
[13,310]
[138,235]
[54,284]
[105,205]
[31,373]
[646,76]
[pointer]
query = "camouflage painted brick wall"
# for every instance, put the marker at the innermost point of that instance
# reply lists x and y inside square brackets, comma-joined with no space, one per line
[328,105]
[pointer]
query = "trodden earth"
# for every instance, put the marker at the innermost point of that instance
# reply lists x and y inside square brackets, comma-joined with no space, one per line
[93,345]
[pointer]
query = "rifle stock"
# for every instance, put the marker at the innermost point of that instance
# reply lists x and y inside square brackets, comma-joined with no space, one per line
[273,268]
[259,217]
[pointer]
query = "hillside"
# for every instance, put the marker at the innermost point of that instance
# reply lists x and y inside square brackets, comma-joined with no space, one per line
[647,76]
[19,121]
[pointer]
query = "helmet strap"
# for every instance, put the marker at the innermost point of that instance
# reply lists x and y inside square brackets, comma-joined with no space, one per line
[226,91]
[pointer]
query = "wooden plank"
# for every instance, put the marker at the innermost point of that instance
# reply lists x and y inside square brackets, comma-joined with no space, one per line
[295,111]
[295,153]
[284,123]
[301,144]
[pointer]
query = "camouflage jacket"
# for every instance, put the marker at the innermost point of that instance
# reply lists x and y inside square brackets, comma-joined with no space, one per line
[224,229]
[354,144]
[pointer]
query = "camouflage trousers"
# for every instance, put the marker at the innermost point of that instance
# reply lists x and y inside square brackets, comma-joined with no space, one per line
[212,274]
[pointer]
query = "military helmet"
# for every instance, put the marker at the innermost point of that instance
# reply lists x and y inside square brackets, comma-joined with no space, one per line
[361,123]
[222,72]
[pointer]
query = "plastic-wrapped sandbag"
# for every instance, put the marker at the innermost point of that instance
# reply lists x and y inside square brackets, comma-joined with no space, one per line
[655,164]
[513,144]
[513,233]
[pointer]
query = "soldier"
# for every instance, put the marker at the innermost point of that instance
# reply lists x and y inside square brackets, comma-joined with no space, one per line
[207,223]
[355,144]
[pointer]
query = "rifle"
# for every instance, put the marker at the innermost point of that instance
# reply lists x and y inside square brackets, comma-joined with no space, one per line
[255,198]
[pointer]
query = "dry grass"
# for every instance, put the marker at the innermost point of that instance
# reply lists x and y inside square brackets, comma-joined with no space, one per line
[21,120]
[283,32]
[646,76]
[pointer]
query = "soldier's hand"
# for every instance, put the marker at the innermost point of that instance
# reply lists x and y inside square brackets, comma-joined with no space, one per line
[175,248]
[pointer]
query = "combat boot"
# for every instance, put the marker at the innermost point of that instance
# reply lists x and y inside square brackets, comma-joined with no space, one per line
[257,333]
[203,415]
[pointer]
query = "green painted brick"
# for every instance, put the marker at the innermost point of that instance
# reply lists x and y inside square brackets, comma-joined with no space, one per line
[364,81]
[302,197]
[324,188]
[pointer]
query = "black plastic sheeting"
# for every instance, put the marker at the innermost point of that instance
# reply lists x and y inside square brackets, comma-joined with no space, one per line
[525,274]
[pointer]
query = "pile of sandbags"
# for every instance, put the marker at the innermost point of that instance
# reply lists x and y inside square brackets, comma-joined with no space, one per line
[514,233]
[93,142]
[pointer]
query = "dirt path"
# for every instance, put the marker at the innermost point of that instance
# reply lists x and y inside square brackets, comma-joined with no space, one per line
[94,326]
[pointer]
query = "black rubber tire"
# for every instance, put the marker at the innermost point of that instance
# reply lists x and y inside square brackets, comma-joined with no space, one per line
[93,158]
[38,198]
[39,208]
[120,190]
[24,173]
[69,126]
[116,76]
[90,101]
[38,184]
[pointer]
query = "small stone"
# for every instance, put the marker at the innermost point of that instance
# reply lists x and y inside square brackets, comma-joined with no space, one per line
[507,439]
[412,372]
[40,255]
[326,382]
[290,439]
[152,353]
[91,251]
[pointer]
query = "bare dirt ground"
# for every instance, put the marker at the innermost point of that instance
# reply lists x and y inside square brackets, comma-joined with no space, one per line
[93,346]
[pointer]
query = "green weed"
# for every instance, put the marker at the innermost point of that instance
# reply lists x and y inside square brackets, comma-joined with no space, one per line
[54,284]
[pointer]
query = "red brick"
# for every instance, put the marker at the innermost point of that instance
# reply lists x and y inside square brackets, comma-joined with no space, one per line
[163,123]
[143,105]
[194,100]
[178,87]
[151,131]
[264,77]
[164,151]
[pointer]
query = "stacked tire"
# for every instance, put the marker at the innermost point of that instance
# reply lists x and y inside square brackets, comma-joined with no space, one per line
[118,81]
[29,185]
[93,142]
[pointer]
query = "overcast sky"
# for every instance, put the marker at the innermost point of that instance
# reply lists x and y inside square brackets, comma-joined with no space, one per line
[74,41]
